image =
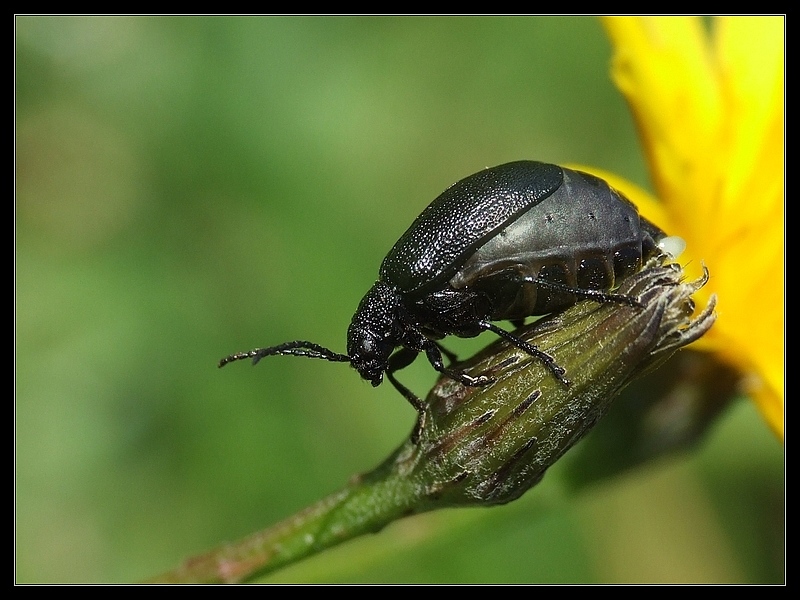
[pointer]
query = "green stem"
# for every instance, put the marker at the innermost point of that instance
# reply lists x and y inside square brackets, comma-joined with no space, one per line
[366,505]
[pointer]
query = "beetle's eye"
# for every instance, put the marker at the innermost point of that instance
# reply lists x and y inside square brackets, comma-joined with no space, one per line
[367,346]
[371,348]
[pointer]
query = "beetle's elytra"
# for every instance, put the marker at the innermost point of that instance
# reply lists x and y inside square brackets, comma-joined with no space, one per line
[520,239]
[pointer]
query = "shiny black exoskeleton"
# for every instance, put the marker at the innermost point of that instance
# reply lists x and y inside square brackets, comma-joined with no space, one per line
[521,239]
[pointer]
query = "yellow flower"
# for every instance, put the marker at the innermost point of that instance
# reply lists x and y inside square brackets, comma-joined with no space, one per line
[708,100]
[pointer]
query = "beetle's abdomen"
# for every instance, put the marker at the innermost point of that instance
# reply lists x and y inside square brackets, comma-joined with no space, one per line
[585,235]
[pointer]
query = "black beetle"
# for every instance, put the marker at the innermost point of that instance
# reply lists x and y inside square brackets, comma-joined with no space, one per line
[522,239]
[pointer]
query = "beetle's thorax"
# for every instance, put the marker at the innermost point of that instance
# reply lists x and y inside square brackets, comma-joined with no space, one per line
[373,333]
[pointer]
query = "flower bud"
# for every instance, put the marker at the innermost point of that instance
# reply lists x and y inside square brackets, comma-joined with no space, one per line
[488,445]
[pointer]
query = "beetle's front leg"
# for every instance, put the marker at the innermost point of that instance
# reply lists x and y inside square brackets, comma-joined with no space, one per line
[400,360]
[451,356]
[435,358]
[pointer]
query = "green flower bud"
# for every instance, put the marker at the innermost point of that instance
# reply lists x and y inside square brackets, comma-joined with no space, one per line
[489,445]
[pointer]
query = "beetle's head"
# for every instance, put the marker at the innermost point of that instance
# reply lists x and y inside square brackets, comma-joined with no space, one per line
[372,337]
[369,354]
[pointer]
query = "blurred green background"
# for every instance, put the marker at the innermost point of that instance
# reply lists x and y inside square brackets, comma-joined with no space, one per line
[191,187]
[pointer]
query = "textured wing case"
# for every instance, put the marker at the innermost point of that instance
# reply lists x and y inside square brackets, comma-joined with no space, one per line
[461,219]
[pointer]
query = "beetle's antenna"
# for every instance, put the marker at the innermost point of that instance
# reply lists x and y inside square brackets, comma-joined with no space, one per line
[296,348]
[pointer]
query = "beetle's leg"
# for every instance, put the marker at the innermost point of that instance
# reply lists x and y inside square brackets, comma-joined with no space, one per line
[550,362]
[596,295]
[405,356]
[400,360]
[451,356]
[435,357]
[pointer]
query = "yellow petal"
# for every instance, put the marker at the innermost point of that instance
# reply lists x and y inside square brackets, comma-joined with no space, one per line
[709,107]
[664,69]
